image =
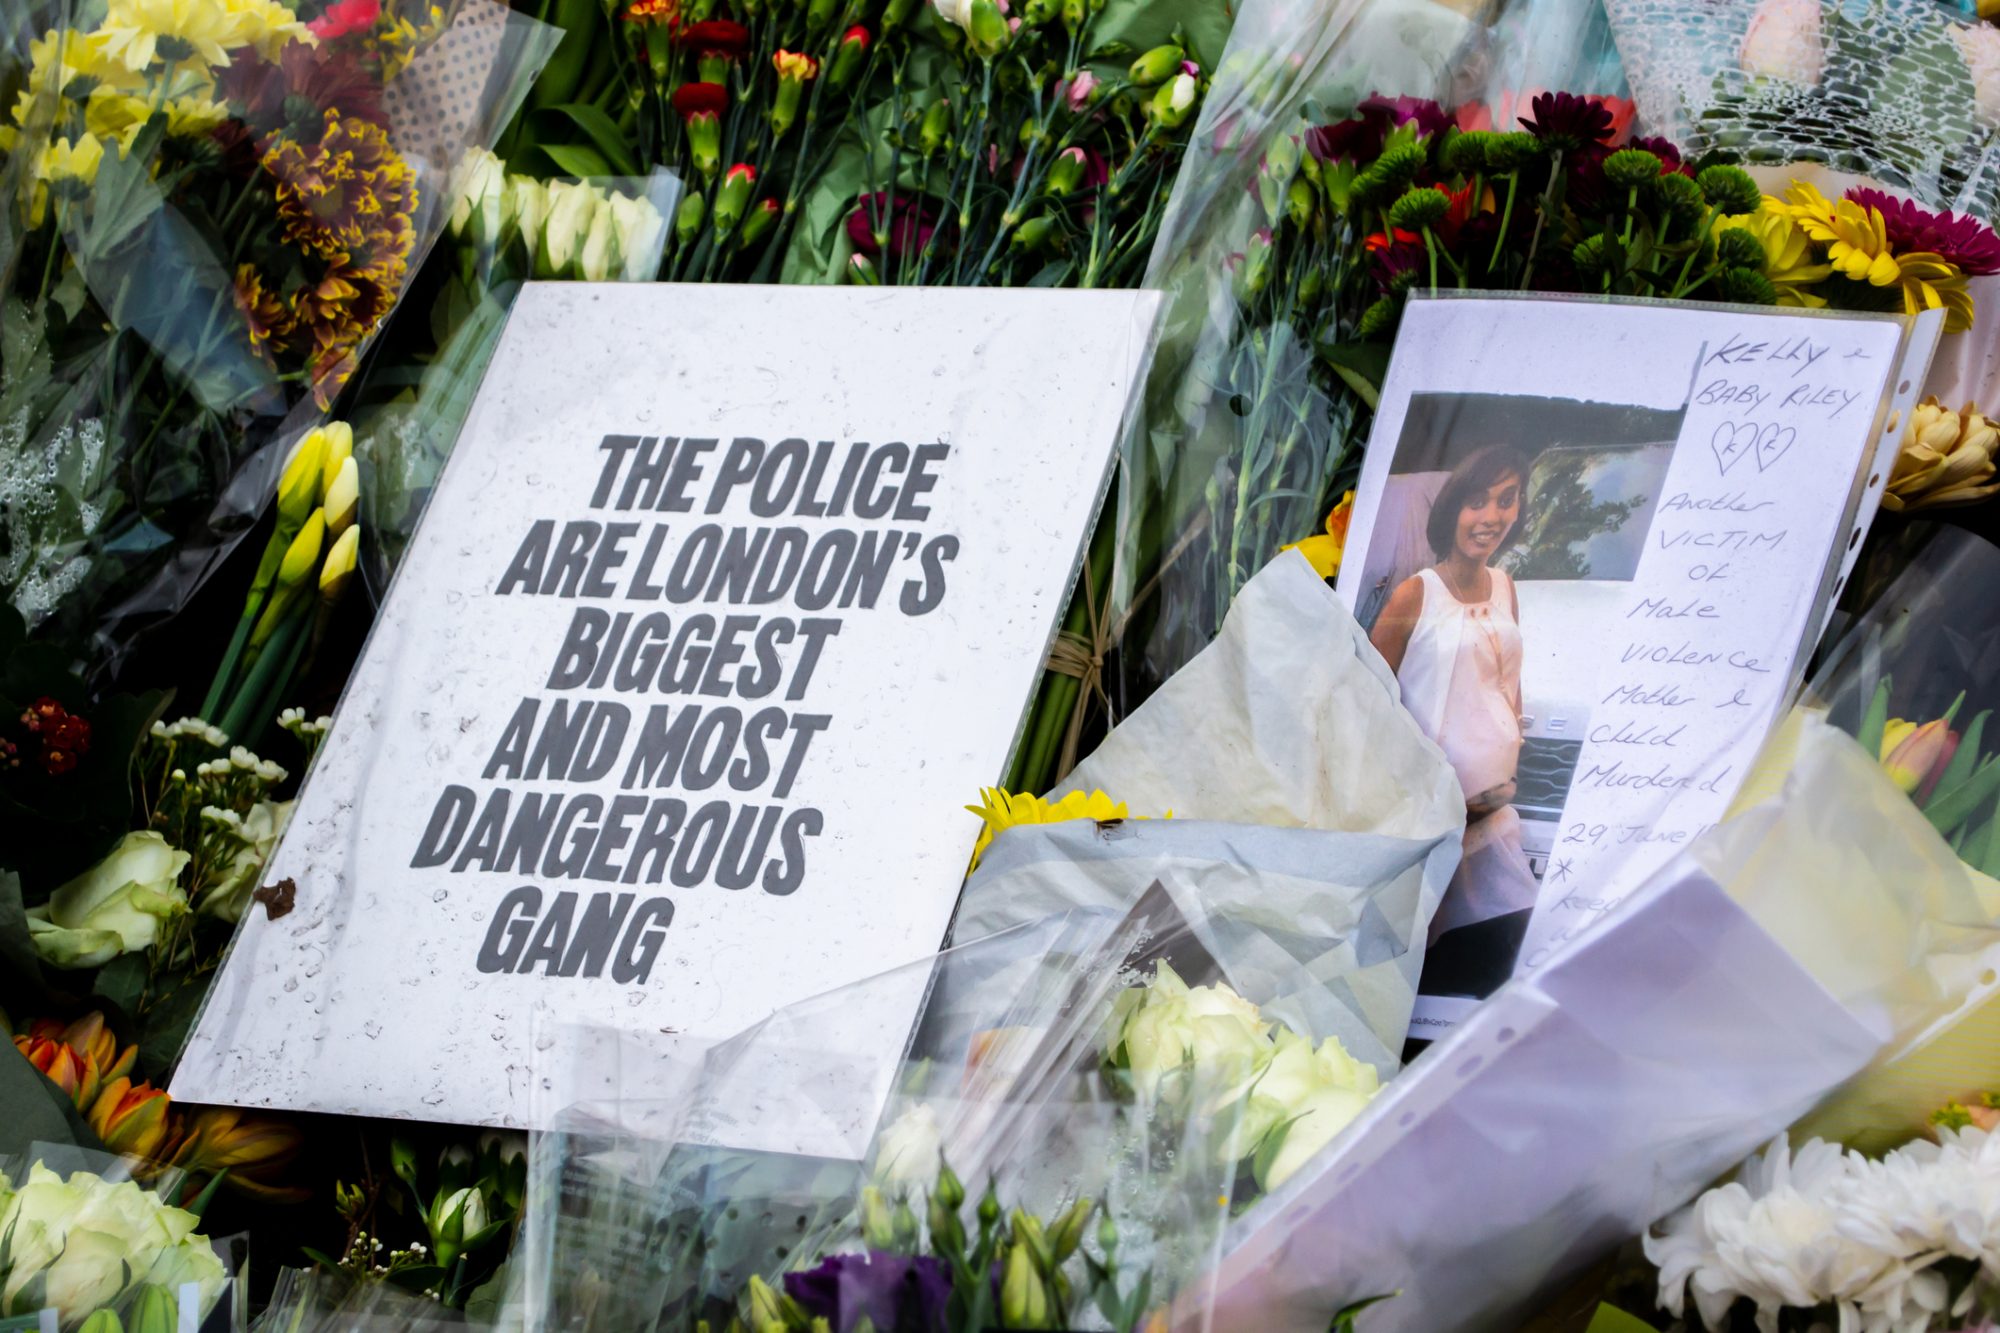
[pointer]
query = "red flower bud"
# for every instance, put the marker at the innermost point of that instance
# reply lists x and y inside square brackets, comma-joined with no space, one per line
[742,171]
[855,36]
[694,99]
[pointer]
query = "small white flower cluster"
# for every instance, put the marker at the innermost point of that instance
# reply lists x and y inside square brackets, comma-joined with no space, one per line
[295,721]
[191,728]
[241,760]
[1828,1227]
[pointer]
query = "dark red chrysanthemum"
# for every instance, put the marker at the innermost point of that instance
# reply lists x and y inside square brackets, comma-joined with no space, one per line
[1360,139]
[912,221]
[1569,120]
[722,37]
[1664,149]
[1957,238]
[1426,115]
[693,99]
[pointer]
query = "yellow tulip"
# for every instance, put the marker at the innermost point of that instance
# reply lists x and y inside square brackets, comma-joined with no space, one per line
[298,486]
[339,438]
[1918,752]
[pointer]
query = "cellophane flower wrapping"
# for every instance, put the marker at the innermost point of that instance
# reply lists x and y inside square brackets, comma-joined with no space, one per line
[316,1300]
[787,1141]
[211,209]
[1247,432]
[1309,812]
[502,231]
[1900,92]
[86,1231]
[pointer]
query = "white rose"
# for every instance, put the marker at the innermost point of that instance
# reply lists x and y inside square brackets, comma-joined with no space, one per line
[88,1235]
[1311,1127]
[523,207]
[1784,42]
[227,898]
[910,1151]
[641,230]
[571,208]
[113,908]
[1166,1024]
[598,261]
[1979,43]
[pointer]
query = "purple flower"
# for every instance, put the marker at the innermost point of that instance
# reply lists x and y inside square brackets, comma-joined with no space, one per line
[1961,240]
[897,1293]
[1664,149]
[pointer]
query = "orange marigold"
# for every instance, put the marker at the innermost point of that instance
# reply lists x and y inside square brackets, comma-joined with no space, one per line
[664,12]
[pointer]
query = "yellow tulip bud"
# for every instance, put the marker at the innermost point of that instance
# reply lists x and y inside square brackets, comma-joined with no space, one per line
[298,486]
[339,567]
[302,556]
[343,495]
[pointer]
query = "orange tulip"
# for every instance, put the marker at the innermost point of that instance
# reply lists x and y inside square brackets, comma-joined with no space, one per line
[251,1148]
[57,1062]
[130,1117]
[1921,752]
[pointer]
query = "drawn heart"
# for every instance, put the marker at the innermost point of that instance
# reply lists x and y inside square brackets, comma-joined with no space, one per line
[1772,443]
[1732,443]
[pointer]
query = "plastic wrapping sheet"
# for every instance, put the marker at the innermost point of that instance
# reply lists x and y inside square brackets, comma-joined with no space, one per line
[114,517]
[407,417]
[1568,1112]
[1899,91]
[1244,437]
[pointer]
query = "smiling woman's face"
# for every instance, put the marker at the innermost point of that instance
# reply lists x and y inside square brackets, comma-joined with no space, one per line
[1487,517]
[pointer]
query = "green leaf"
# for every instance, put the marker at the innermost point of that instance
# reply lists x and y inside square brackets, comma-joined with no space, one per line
[576,160]
[1362,365]
[1948,809]
[1966,757]
[601,131]
[124,195]
[70,293]
[1611,1319]
[1875,721]
[559,79]
[34,1110]
[1343,1318]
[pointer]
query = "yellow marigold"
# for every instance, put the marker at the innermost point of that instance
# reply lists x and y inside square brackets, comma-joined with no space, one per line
[1857,241]
[1789,261]
[1004,810]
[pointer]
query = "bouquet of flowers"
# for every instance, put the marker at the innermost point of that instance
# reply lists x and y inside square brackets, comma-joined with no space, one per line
[213,207]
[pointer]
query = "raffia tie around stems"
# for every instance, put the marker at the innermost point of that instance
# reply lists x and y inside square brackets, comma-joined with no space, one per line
[1082,655]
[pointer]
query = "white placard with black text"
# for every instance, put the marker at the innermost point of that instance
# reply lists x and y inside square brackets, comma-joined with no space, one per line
[728,601]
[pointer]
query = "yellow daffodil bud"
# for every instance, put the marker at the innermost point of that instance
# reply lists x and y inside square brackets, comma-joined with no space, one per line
[339,567]
[302,556]
[343,495]
[339,448]
[298,485]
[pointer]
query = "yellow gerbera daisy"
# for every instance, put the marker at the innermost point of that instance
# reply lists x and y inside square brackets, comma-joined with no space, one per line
[1788,256]
[120,116]
[1857,241]
[1004,810]
[139,33]
[269,26]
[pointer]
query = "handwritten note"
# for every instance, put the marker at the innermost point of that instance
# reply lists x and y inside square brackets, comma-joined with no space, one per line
[1751,520]
[1694,484]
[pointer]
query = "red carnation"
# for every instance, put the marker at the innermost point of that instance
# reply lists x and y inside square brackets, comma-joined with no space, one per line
[694,99]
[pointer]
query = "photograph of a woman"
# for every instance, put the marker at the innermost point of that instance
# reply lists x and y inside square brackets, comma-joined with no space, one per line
[1452,634]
